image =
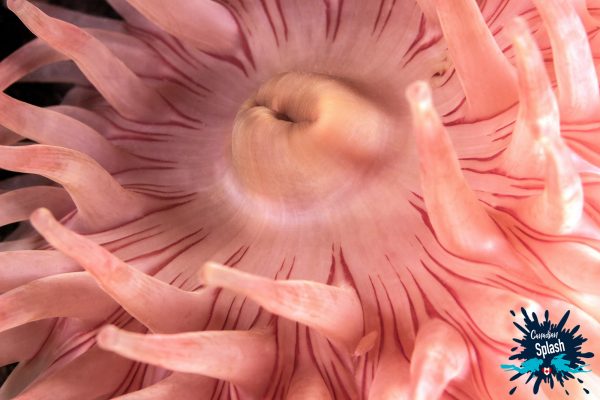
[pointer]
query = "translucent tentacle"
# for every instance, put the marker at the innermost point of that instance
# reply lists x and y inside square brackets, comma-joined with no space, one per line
[50,127]
[25,60]
[559,208]
[126,92]
[538,109]
[460,221]
[79,18]
[480,64]
[17,205]
[66,295]
[334,311]
[578,92]
[78,174]
[20,267]
[244,358]
[158,305]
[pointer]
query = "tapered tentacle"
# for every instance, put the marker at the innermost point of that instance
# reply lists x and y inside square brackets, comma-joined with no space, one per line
[25,60]
[158,305]
[126,92]
[244,358]
[81,19]
[67,295]
[17,205]
[480,64]
[440,355]
[20,267]
[335,312]
[78,174]
[536,148]
[50,127]
[578,93]
[538,116]
[458,217]
[558,209]
[207,24]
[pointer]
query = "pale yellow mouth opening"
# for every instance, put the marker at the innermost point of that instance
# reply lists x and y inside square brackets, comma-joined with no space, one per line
[304,137]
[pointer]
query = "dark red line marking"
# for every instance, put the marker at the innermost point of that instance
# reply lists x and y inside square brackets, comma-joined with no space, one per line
[339,19]
[484,159]
[345,391]
[389,15]
[327,17]
[126,382]
[381,327]
[171,245]
[379,12]
[271,24]
[394,320]
[283,20]
[323,371]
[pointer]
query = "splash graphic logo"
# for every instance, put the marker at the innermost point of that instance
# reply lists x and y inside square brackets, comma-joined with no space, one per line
[549,354]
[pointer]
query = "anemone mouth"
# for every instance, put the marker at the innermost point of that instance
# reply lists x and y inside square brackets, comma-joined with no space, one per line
[307,138]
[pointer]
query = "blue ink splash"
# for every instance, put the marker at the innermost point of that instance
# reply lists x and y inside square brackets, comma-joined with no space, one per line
[552,367]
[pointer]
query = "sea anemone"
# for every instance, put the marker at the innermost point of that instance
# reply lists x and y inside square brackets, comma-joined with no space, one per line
[299,199]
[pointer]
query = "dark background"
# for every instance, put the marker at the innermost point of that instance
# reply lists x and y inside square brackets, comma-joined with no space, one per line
[13,34]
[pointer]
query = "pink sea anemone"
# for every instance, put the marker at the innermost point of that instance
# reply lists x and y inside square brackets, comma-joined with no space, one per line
[299,199]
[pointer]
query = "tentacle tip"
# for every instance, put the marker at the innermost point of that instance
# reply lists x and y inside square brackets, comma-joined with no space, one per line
[15,5]
[206,273]
[517,27]
[107,337]
[41,217]
[424,116]
[548,146]
[520,35]
[418,94]
[420,100]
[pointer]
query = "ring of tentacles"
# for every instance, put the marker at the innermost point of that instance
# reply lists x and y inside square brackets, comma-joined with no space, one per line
[299,199]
